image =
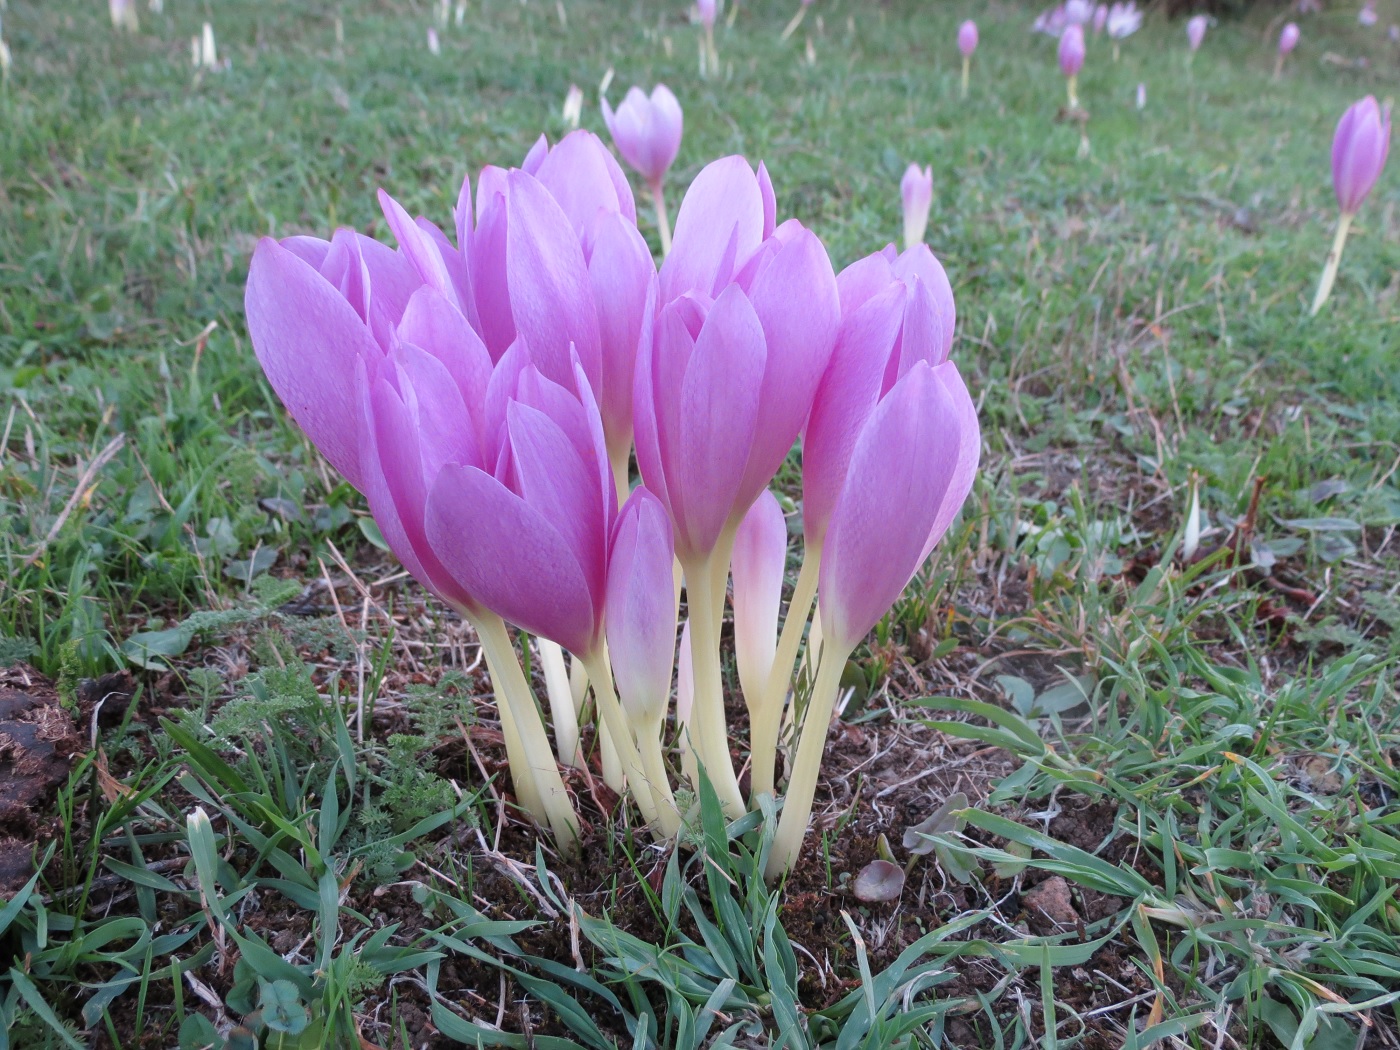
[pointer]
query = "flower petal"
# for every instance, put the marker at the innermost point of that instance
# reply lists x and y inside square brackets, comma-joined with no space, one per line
[901,468]
[510,557]
[796,301]
[307,339]
[550,296]
[724,203]
[848,394]
[760,557]
[641,610]
[719,405]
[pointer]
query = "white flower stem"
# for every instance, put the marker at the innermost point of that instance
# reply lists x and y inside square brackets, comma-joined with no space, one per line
[561,702]
[791,27]
[611,713]
[802,788]
[620,459]
[1334,259]
[967,72]
[766,716]
[663,223]
[613,773]
[1074,92]
[709,735]
[534,758]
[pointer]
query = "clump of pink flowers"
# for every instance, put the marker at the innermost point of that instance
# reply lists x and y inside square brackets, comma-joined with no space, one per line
[484,384]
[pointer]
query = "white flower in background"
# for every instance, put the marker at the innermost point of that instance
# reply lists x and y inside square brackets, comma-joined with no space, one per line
[123,14]
[1124,20]
[434,44]
[573,105]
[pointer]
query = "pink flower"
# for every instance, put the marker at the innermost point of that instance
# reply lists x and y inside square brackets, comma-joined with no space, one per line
[1288,39]
[1100,17]
[746,323]
[967,38]
[916,192]
[896,310]
[1124,19]
[1072,50]
[1196,31]
[707,9]
[641,610]
[901,492]
[760,558]
[1359,151]
[647,131]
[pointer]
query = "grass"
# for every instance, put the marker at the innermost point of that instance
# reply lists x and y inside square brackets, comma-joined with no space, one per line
[1202,747]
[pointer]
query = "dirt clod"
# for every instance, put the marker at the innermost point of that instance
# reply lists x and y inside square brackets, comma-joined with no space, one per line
[37,742]
[1050,903]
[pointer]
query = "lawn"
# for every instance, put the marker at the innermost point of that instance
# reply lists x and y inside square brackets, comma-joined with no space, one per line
[1143,696]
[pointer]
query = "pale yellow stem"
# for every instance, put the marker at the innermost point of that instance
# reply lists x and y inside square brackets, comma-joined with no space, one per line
[1074,92]
[709,735]
[766,716]
[967,72]
[1334,259]
[611,713]
[535,758]
[561,702]
[796,21]
[613,774]
[663,222]
[802,787]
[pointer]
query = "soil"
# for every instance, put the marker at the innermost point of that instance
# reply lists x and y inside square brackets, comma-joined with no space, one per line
[38,741]
[882,773]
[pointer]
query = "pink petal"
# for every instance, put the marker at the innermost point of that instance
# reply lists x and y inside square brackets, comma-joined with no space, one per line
[555,481]
[641,610]
[724,203]
[901,468]
[584,178]
[435,324]
[536,156]
[489,276]
[623,278]
[311,250]
[718,416]
[510,557]
[919,262]
[419,249]
[396,490]
[797,304]
[550,296]
[458,269]
[864,279]
[760,557]
[848,394]
[969,454]
[307,339]
[770,201]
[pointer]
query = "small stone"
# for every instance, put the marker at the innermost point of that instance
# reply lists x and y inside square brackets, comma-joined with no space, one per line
[1051,900]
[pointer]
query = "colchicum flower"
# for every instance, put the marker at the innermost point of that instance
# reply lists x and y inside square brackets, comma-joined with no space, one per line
[1359,151]
[1196,31]
[1287,41]
[967,44]
[1072,60]
[916,193]
[647,132]
[1124,19]
[481,386]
